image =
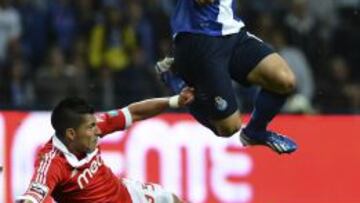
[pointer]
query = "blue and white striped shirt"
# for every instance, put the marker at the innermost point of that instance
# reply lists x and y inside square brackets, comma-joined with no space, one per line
[215,19]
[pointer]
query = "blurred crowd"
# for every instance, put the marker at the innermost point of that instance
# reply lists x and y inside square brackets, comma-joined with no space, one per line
[104,51]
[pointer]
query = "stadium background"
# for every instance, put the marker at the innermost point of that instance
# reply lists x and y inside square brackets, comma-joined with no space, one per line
[104,51]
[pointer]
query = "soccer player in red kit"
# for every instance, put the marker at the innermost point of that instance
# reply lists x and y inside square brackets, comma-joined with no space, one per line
[69,167]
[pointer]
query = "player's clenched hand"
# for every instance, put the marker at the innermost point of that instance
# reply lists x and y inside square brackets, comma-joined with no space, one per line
[186,96]
[204,2]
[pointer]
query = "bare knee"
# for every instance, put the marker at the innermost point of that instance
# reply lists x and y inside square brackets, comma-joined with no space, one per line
[286,82]
[273,74]
[228,126]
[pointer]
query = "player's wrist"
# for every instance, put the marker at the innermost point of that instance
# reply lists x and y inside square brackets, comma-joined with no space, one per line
[174,102]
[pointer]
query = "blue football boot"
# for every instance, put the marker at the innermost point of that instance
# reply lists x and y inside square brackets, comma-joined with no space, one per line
[277,142]
[170,79]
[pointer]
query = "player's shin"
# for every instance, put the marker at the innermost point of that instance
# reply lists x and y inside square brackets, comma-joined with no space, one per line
[267,105]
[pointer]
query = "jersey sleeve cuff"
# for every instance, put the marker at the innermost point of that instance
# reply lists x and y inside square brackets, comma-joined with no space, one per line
[128,117]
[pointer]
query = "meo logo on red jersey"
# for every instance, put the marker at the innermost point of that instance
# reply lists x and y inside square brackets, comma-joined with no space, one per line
[89,172]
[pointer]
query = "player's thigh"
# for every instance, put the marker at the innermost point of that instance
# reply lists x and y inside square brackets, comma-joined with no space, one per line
[200,57]
[273,73]
[148,192]
[216,102]
[203,62]
[247,54]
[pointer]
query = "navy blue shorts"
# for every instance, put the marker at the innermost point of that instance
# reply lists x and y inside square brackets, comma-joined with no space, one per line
[210,63]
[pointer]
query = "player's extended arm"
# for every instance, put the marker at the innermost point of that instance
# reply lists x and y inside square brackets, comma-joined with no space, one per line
[151,107]
[120,119]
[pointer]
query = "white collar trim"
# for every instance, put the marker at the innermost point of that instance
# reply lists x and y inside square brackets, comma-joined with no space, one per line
[70,157]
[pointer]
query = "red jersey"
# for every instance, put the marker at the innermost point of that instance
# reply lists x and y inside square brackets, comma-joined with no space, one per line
[58,173]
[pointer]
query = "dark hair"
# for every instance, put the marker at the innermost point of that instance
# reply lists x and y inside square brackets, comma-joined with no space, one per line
[68,114]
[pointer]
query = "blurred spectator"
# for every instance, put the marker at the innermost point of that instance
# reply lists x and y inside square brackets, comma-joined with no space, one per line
[325,11]
[140,23]
[145,83]
[301,101]
[160,22]
[299,19]
[112,42]
[51,80]
[346,38]
[168,6]
[10,30]
[251,11]
[264,26]
[85,15]
[104,89]
[63,23]
[348,3]
[77,71]
[35,31]
[302,28]
[21,88]
[16,88]
[337,92]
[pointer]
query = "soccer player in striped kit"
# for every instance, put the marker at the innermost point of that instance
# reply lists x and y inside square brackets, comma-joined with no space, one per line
[211,48]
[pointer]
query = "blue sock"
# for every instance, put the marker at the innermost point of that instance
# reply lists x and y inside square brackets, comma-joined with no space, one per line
[267,105]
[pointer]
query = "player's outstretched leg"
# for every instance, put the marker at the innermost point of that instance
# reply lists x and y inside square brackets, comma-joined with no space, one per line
[170,79]
[176,84]
[277,81]
[277,142]
[267,105]
[193,110]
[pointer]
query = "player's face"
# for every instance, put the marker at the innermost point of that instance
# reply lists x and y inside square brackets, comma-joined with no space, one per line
[87,134]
